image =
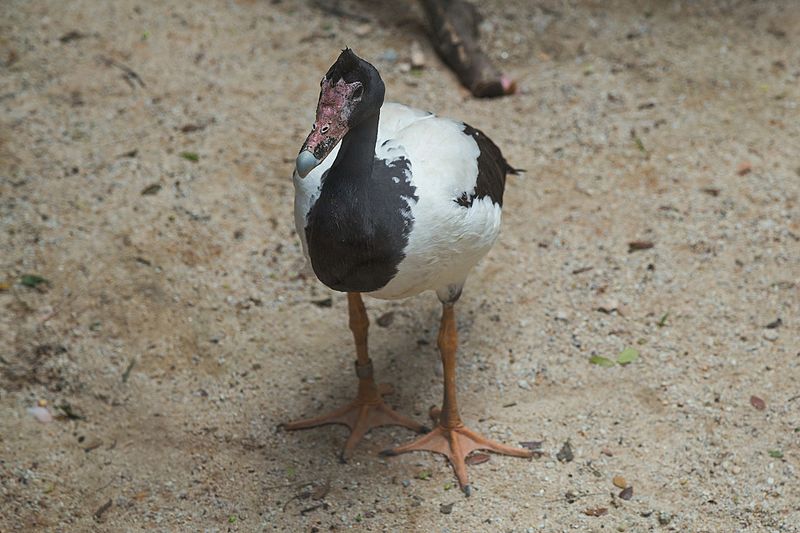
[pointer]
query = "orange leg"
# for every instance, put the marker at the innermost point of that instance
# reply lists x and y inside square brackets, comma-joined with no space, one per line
[367,410]
[451,438]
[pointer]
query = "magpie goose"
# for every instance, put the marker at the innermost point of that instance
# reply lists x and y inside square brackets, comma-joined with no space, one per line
[392,201]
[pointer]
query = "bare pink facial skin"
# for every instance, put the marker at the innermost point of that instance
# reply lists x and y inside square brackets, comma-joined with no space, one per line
[336,102]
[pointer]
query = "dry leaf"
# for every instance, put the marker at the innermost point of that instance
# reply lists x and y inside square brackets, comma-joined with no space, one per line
[635,246]
[744,168]
[477,459]
[758,403]
[598,511]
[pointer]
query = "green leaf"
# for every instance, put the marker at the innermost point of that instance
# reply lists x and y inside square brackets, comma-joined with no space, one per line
[448,485]
[601,361]
[663,320]
[627,356]
[190,156]
[232,519]
[424,475]
[32,280]
[776,454]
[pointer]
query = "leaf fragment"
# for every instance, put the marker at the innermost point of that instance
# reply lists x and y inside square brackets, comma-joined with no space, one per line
[477,458]
[601,361]
[776,454]
[597,511]
[190,156]
[32,280]
[627,356]
[150,190]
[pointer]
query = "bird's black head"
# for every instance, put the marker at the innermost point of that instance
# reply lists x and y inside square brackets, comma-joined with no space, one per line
[351,91]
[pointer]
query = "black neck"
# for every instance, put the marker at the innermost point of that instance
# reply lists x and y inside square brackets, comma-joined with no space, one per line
[355,158]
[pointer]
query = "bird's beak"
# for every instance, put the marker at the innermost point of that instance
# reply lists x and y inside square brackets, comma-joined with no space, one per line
[305,163]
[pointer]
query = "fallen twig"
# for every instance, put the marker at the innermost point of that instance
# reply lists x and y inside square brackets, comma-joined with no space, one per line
[130,75]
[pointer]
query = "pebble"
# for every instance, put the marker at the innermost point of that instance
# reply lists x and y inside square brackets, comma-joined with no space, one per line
[42,414]
[619,482]
[362,30]
[417,56]
[523,384]
[664,518]
[771,335]
[390,55]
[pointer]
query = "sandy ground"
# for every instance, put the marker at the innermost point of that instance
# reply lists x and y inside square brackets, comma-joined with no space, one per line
[174,322]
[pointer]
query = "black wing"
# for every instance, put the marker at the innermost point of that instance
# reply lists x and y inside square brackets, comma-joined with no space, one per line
[492,170]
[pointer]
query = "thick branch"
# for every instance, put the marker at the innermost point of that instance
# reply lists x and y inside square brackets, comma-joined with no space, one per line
[454,25]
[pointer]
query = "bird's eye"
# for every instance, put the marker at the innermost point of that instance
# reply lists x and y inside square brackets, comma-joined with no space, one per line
[314,127]
[358,92]
[324,129]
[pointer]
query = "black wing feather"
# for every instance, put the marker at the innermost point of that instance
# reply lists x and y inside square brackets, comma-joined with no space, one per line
[492,170]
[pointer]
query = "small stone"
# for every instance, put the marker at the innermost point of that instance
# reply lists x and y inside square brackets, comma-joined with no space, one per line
[390,55]
[771,335]
[404,67]
[608,307]
[758,403]
[446,508]
[386,319]
[736,469]
[562,315]
[664,518]
[42,414]
[406,482]
[417,56]
[565,454]
[362,30]
[523,384]
[745,167]
[619,482]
